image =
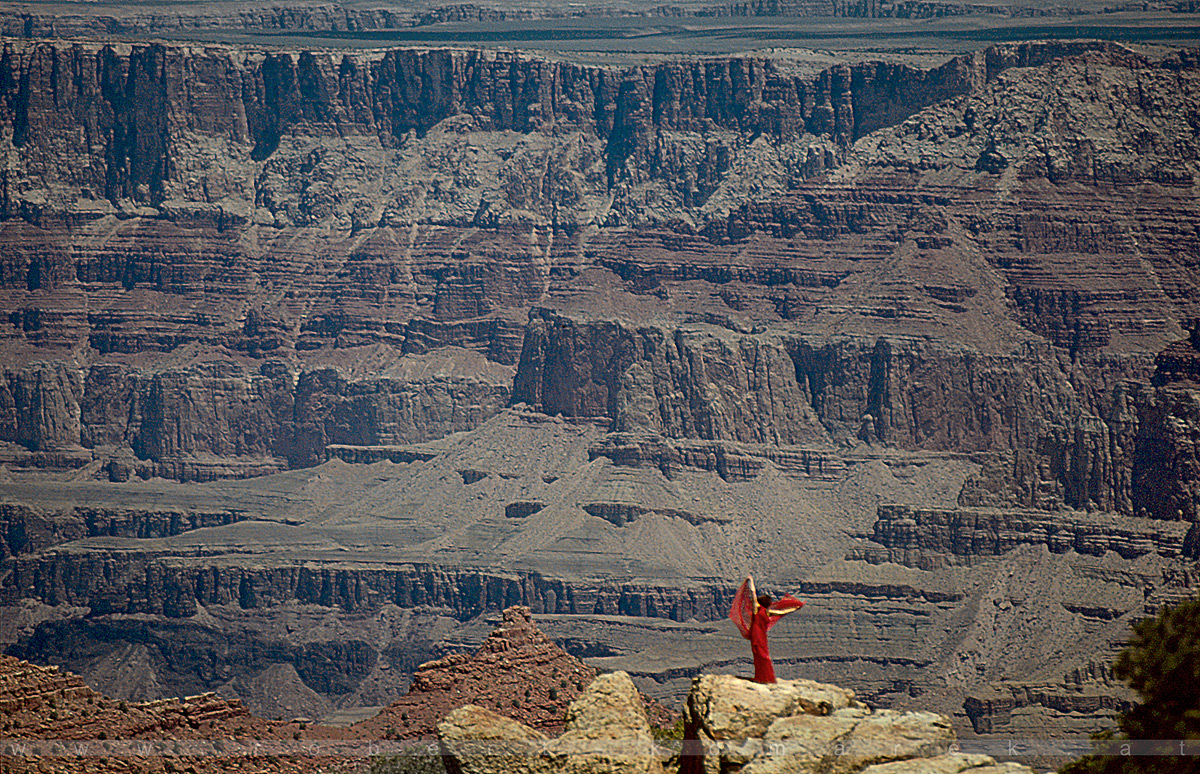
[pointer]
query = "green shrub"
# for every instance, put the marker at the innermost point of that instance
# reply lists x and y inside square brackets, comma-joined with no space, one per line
[671,733]
[1162,663]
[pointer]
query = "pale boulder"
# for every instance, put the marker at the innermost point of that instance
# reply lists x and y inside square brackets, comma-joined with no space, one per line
[475,740]
[607,732]
[728,707]
[728,716]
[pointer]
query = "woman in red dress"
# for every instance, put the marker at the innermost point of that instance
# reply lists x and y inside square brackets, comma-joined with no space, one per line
[754,615]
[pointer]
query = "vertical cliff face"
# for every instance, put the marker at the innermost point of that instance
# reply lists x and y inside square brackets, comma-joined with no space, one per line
[227,419]
[153,124]
[158,198]
[41,406]
[1064,432]
[1166,468]
[675,382]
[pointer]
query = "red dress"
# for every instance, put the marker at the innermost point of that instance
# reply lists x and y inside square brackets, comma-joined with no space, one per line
[753,620]
[764,669]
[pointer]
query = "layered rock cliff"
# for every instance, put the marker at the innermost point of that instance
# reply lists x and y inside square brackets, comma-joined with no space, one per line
[175,293]
[211,137]
[1167,466]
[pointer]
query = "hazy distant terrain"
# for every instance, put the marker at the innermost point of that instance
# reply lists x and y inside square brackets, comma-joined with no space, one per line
[627,31]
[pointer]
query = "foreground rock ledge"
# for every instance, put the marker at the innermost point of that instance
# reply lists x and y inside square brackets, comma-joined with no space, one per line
[731,725]
[606,731]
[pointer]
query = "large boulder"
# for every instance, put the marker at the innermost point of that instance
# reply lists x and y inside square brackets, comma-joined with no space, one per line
[606,732]
[728,707]
[476,740]
[726,717]
[734,725]
[849,740]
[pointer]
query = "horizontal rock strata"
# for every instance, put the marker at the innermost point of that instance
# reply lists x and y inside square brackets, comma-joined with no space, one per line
[136,583]
[925,537]
[744,307]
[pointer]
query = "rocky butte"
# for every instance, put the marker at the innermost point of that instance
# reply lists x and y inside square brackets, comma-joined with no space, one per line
[314,359]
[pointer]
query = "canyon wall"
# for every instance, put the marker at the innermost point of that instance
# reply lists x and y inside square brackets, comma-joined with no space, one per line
[221,420]
[133,583]
[1166,470]
[176,304]
[1061,432]
[903,341]
[200,130]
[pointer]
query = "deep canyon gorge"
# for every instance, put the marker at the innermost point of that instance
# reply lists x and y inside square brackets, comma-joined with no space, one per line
[314,360]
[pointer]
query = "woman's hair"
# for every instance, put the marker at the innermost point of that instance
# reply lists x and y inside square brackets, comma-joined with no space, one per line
[765,600]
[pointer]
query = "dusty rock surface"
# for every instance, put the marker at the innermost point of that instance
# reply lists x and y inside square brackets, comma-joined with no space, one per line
[764,732]
[610,713]
[727,707]
[803,726]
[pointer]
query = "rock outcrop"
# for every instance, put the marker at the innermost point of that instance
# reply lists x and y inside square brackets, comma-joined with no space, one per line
[26,530]
[928,538]
[120,582]
[732,725]
[606,730]
[519,676]
[45,710]
[1166,469]
[999,709]
[1068,427]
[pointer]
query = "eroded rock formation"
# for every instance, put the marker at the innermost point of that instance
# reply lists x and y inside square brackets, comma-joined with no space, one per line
[606,730]
[45,709]
[518,674]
